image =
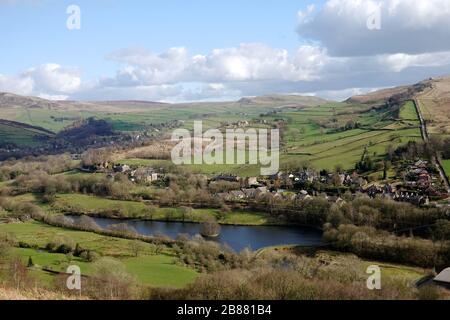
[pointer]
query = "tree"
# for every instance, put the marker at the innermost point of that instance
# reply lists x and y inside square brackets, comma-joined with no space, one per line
[122,228]
[30,263]
[136,247]
[210,228]
[18,273]
[5,246]
[110,280]
[186,213]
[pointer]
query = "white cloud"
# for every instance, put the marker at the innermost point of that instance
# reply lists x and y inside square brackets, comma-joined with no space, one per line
[229,73]
[400,61]
[407,26]
[52,77]
[47,80]
[16,84]
[341,95]
[244,63]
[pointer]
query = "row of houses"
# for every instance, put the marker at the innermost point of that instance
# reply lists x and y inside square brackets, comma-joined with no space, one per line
[391,192]
[418,176]
[139,175]
[304,176]
[255,193]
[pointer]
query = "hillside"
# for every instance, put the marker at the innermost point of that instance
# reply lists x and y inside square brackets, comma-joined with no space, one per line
[435,105]
[284,100]
[137,115]
[8,293]
[317,131]
[22,135]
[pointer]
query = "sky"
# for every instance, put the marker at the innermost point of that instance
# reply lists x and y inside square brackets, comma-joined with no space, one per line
[202,50]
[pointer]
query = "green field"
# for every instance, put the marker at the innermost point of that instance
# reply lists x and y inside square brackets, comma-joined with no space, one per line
[242,170]
[311,134]
[23,137]
[86,204]
[154,270]
[324,148]
[306,140]
[446,165]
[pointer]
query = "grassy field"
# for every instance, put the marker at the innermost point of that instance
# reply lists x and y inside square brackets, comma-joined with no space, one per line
[20,136]
[446,165]
[91,205]
[242,170]
[311,134]
[388,270]
[324,148]
[154,270]
[306,140]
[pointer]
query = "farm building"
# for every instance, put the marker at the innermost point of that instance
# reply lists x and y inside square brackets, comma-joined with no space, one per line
[443,278]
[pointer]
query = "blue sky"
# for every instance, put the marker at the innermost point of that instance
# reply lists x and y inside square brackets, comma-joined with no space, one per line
[178,50]
[200,25]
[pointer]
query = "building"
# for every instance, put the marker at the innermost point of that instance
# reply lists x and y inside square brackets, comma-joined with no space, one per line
[226,177]
[122,168]
[144,175]
[237,195]
[443,278]
[252,181]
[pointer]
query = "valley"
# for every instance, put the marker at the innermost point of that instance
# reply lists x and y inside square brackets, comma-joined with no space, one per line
[93,184]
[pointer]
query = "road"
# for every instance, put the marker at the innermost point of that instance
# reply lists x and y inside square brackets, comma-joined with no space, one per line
[425,137]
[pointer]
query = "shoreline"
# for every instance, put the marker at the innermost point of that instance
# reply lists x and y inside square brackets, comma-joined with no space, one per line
[281,224]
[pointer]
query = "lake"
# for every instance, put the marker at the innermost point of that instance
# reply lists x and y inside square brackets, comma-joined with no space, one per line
[237,237]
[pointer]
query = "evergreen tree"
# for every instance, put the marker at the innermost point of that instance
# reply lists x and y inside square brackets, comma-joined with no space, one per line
[30,262]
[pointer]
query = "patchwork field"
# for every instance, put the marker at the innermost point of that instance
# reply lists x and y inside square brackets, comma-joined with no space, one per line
[309,139]
[21,135]
[151,269]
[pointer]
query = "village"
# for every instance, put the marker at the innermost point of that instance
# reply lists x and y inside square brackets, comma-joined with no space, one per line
[416,183]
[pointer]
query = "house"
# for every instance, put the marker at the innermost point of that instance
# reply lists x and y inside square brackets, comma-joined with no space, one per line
[226,177]
[237,195]
[421,164]
[336,199]
[303,195]
[305,176]
[424,180]
[144,175]
[412,198]
[373,191]
[249,193]
[443,278]
[224,196]
[252,181]
[261,190]
[122,168]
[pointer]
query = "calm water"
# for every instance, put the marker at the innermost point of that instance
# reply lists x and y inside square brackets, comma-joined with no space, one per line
[237,237]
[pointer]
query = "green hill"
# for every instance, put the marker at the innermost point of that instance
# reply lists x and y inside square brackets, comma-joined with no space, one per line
[22,135]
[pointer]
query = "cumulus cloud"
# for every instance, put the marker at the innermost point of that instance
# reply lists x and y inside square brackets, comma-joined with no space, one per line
[407,26]
[229,73]
[48,80]
[244,63]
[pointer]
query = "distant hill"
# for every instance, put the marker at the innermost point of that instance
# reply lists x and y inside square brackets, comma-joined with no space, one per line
[10,100]
[284,100]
